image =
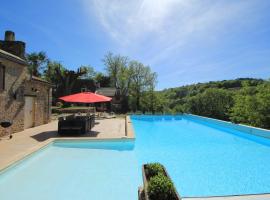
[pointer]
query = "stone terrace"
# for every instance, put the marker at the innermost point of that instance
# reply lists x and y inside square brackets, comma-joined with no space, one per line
[29,140]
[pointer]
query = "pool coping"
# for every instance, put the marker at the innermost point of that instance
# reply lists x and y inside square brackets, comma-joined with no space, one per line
[129,129]
[260,132]
[262,196]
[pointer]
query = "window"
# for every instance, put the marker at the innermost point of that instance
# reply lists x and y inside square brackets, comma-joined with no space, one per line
[2,78]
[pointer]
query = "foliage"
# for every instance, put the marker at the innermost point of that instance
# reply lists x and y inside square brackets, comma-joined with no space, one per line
[102,80]
[238,100]
[50,73]
[142,80]
[160,187]
[154,169]
[211,103]
[89,71]
[154,102]
[68,79]
[132,78]
[252,106]
[243,100]
[115,66]
[36,62]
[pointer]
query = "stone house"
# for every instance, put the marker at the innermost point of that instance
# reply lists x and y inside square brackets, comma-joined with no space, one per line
[24,100]
[115,104]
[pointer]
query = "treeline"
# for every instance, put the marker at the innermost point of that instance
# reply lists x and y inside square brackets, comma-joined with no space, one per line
[245,101]
[133,80]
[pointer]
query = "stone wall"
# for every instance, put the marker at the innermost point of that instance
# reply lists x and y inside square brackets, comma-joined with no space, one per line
[42,93]
[12,98]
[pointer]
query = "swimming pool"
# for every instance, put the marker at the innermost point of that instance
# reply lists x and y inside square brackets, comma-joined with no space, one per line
[81,170]
[202,158]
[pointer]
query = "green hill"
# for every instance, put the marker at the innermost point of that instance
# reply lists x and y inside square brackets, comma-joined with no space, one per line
[243,100]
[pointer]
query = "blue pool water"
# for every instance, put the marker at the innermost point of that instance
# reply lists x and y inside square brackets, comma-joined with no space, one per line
[75,171]
[203,159]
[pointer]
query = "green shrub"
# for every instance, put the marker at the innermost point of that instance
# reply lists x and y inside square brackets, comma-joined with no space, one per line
[160,187]
[154,169]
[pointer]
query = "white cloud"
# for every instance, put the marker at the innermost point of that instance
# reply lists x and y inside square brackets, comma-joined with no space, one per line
[167,23]
[161,31]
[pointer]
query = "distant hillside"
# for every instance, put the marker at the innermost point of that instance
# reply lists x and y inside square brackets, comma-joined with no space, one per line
[243,100]
[194,89]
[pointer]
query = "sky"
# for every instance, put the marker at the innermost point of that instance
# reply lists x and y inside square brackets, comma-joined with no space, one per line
[183,41]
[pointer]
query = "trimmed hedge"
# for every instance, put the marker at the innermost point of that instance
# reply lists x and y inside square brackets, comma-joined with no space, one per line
[160,187]
[154,169]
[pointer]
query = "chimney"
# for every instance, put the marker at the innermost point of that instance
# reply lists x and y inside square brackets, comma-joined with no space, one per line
[16,48]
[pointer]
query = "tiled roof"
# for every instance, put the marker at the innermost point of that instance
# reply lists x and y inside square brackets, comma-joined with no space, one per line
[106,91]
[35,78]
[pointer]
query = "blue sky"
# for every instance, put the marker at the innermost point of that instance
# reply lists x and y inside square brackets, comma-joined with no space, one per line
[184,41]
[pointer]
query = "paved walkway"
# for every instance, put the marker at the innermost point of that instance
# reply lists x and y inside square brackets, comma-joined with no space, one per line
[29,140]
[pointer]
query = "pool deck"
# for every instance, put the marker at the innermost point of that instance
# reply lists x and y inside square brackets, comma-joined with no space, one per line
[26,142]
[241,197]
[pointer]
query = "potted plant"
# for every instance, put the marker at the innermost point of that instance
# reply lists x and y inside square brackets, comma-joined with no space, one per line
[157,184]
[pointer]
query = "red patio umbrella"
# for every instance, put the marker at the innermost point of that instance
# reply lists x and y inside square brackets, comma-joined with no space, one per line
[85,97]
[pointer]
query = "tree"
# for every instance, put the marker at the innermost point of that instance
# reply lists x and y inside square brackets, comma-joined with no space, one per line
[116,66]
[142,79]
[37,63]
[68,79]
[212,102]
[102,80]
[50,73]
[252,106]
[90,73]
[154,102]
[119,72]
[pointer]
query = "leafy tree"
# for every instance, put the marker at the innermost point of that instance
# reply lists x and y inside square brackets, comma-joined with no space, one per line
[90,73]
[211,103]
[252,106]
[68,79]
[102,80]
[50,73]
[120,75]
[142,79]
[116,67]
[36,63]
[154,102]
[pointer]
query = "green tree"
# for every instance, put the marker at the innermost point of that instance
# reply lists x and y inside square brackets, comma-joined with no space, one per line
[211,103]
[67,79]
[90,72]
[116,66]
[102,80]
[50,73]
[252,106]
[37,62]
[142,79]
